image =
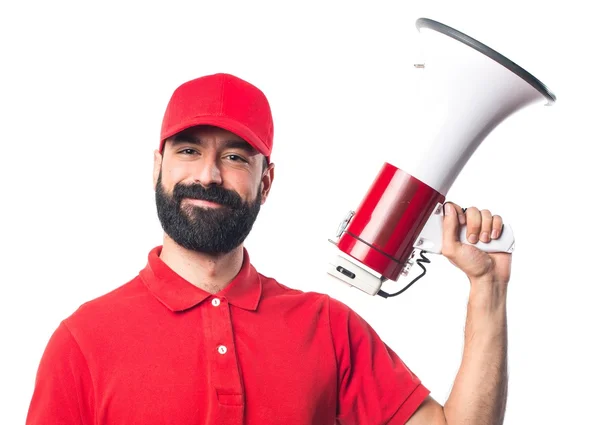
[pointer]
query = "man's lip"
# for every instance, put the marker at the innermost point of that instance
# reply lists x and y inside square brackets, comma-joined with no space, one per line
[202,203]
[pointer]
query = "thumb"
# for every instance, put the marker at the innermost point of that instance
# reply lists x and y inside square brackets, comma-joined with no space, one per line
[450,242]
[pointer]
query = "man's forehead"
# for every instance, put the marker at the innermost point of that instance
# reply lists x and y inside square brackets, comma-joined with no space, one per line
[209,130]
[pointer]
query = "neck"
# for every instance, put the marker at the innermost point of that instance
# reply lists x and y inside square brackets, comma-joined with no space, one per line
[211,273]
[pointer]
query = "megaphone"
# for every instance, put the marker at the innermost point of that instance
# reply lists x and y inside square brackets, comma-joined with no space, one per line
[468,89]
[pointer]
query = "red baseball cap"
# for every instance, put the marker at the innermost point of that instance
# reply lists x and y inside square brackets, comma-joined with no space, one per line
[224,101]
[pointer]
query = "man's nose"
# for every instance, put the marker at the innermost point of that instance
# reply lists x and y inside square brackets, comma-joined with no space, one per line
[209,172]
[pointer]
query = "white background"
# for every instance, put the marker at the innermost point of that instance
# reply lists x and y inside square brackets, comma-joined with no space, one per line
[82,91]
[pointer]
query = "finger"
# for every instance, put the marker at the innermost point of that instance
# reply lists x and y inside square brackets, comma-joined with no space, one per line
[497,226]
[473,224]
[450,237]
[486,225]
[462,219]
[459,211]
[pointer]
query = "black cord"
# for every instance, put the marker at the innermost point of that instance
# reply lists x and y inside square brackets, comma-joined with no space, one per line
[423,259]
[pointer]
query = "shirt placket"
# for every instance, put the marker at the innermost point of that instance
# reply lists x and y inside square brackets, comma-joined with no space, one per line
[225,374]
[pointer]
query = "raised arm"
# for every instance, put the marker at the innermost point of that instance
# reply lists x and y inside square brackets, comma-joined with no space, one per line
[478,395]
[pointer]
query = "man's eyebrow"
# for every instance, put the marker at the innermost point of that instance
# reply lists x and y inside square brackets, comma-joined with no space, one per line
[240,144]
[183,138]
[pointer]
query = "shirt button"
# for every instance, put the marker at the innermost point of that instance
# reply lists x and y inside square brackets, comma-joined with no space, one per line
[222,349]
[216,302]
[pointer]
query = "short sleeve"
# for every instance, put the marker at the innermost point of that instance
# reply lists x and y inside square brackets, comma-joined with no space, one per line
[63,391]
[374,385]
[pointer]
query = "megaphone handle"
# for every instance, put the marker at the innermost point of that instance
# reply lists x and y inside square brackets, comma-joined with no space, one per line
[431,237]
[505,243]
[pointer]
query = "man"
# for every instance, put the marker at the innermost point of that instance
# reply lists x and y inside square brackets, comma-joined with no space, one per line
[200,337]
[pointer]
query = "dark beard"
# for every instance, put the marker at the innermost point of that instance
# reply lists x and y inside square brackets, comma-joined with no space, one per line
[208,230]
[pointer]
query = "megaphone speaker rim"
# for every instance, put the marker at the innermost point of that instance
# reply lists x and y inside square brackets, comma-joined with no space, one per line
[489,52]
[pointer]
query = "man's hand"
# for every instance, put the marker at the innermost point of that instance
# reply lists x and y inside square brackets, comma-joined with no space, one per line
[481,226]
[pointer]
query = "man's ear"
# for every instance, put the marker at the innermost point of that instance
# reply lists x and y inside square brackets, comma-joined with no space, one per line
[267,182]
[157,166]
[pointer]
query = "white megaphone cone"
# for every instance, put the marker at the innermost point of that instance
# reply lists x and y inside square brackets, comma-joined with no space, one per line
[467,89]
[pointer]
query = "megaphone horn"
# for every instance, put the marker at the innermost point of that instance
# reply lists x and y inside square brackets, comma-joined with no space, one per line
[468,89]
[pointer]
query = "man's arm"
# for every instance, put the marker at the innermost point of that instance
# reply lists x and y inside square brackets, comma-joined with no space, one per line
[479,392]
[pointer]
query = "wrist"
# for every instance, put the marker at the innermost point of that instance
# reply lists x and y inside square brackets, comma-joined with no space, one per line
[488,292]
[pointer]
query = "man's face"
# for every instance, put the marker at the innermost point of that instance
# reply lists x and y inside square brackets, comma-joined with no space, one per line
[210,185]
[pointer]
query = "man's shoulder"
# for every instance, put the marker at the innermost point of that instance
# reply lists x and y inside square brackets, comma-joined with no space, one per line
[275,290]
[271,287]
[107,305]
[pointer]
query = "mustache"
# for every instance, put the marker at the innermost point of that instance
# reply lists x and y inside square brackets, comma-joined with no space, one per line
[217,194]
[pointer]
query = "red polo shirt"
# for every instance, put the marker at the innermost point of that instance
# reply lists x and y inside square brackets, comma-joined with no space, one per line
[158,350]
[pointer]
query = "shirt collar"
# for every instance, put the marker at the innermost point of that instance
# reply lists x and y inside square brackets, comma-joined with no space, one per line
[178,294]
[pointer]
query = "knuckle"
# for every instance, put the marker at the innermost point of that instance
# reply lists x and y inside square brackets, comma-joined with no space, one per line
[474,228]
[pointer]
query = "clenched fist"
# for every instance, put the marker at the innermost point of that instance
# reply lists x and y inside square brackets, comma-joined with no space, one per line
[481,226]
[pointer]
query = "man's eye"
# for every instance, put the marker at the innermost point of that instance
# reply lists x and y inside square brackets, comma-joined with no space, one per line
[187,151]
[235,158]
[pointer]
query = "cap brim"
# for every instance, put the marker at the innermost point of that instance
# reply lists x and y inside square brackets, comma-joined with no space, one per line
[225,123]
